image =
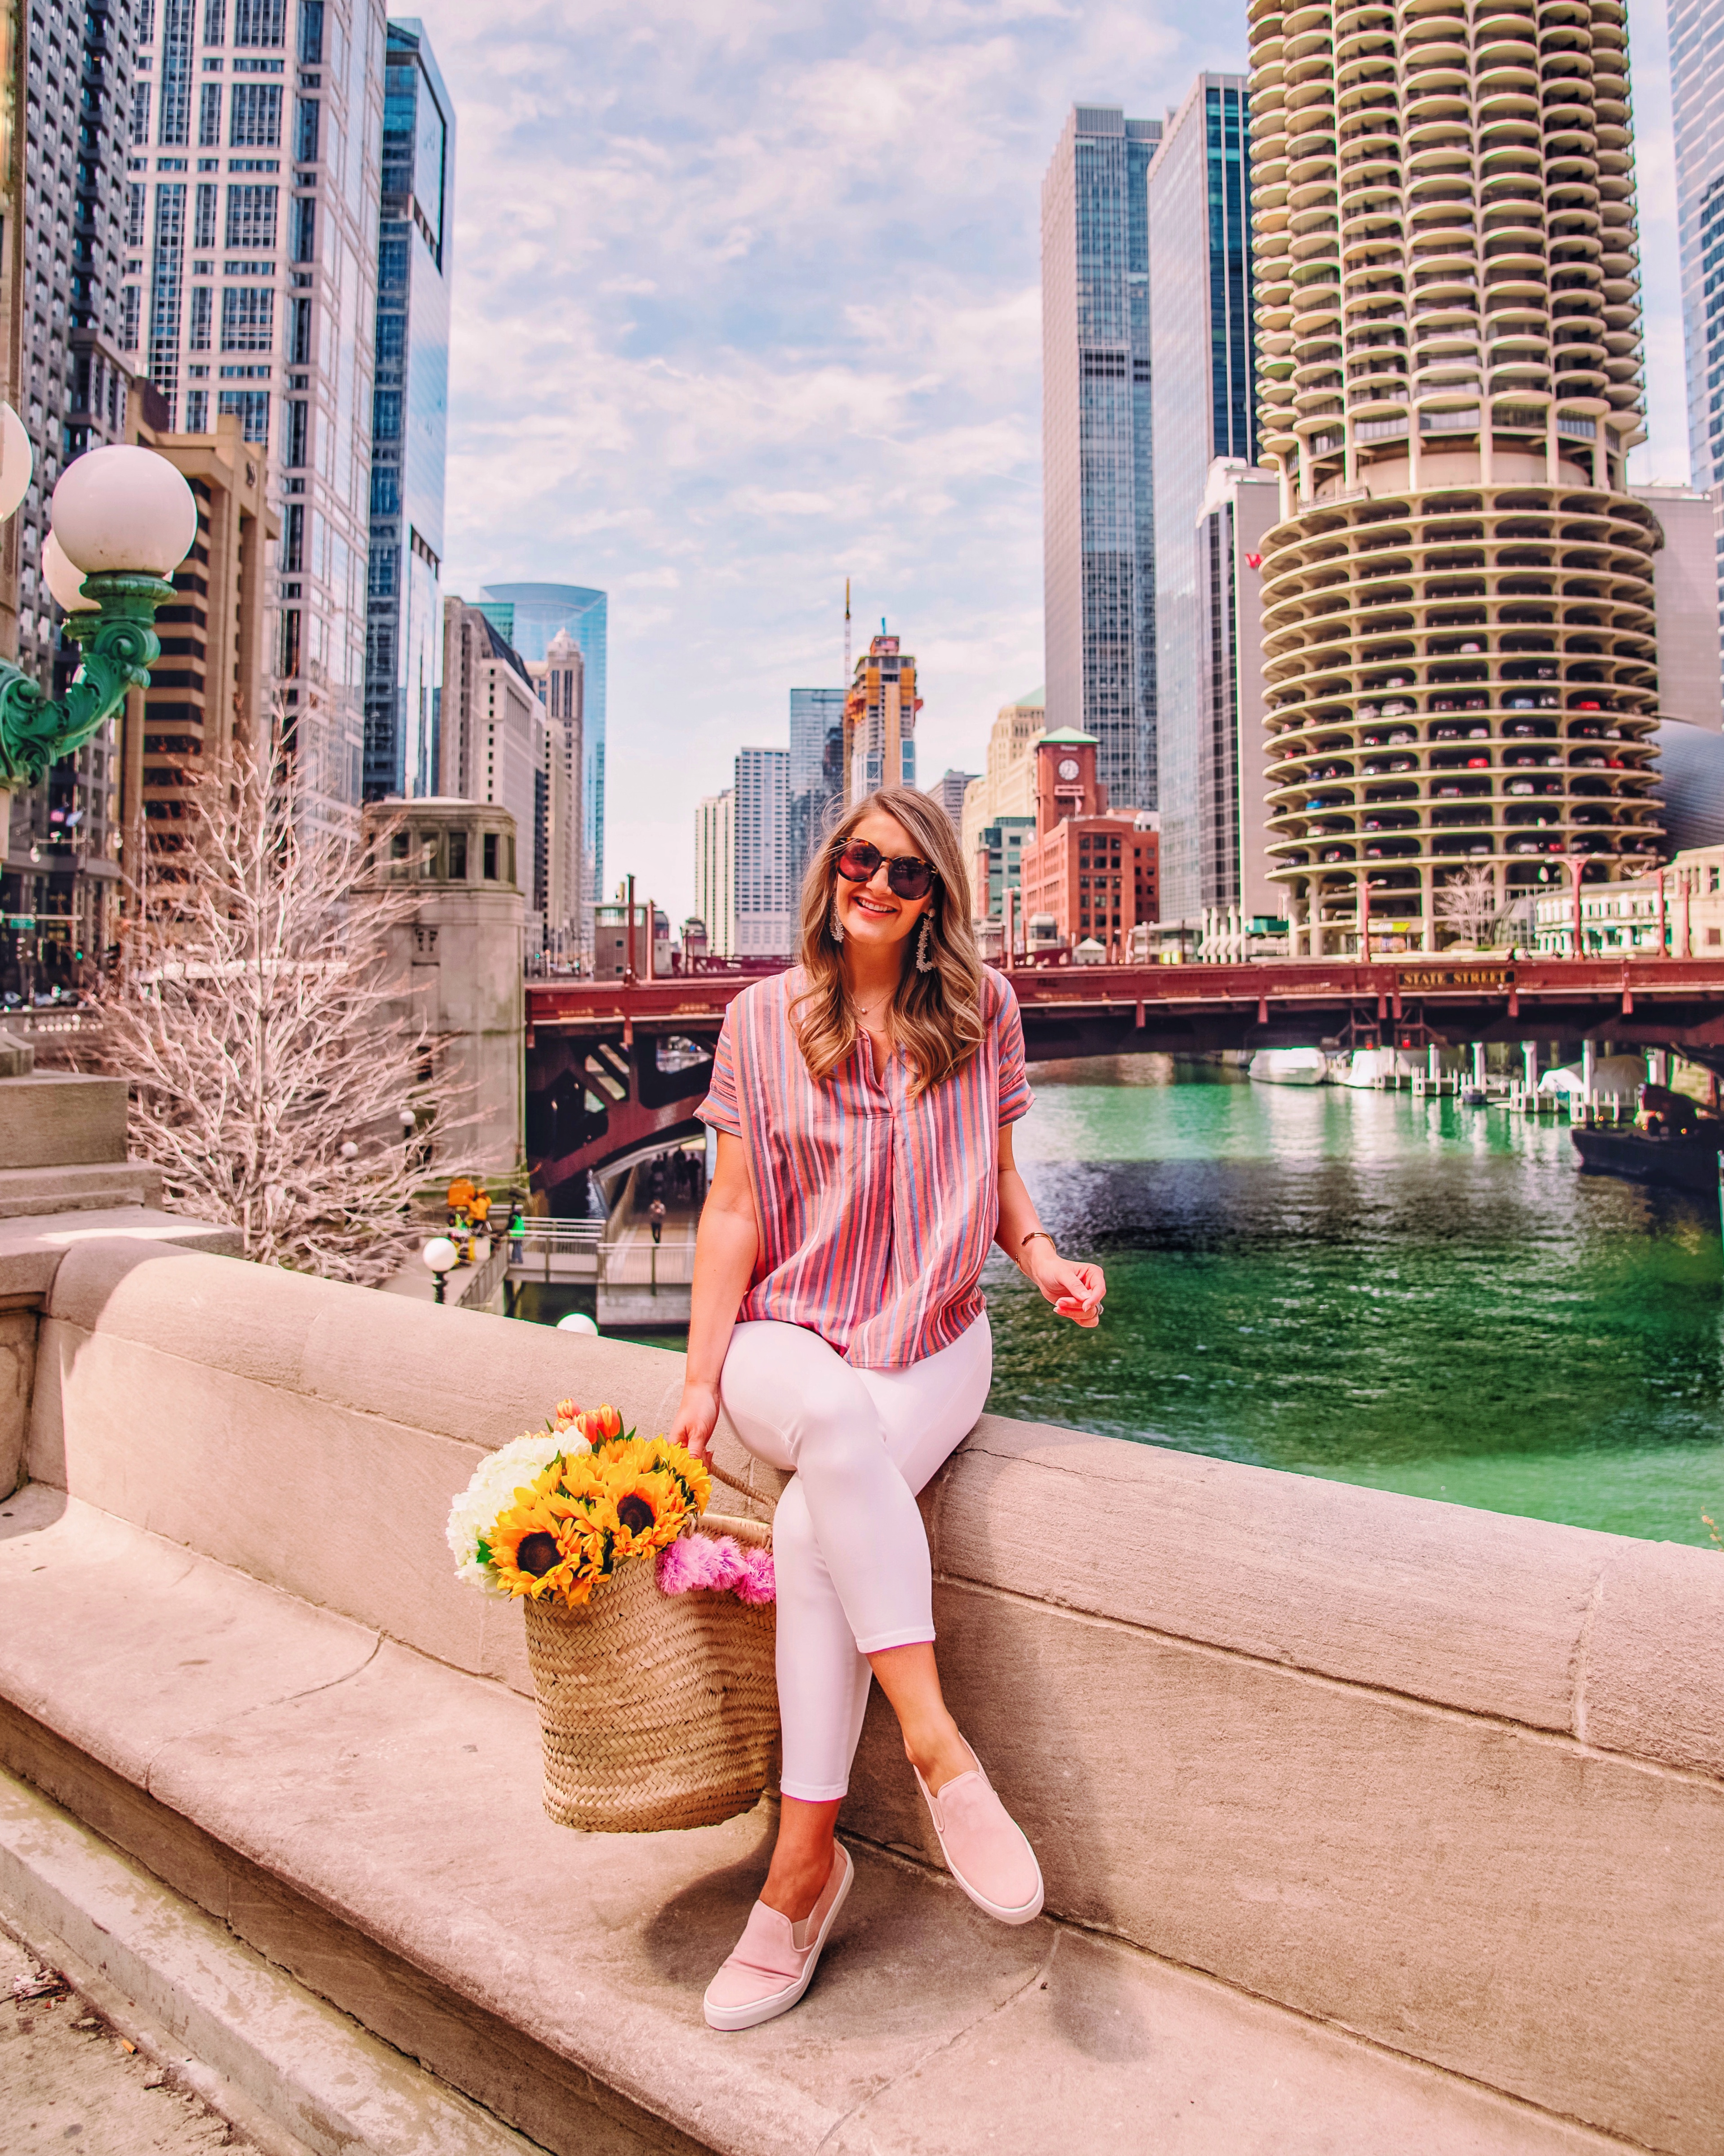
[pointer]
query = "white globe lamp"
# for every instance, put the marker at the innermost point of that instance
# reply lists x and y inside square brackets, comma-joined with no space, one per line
[63,580]
[442,1257]
[578,1321]
[124,509]
[17,461]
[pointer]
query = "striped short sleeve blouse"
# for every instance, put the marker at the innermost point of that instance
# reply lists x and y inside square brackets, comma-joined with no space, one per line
[876,1211]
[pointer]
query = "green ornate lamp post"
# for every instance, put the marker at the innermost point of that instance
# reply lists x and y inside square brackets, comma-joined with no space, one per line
[124,519]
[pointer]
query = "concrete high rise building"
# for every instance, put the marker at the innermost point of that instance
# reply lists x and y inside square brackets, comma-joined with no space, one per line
[1202,401]
[766,896]
[1459,658]
[1697,108]
[560,677]
[1097,454]
[65,124]
[403,674]
[817,768]
[494,743]
[715,871]
[540,611]
[1225,844]
[949,790]
[251,288]
[880,720]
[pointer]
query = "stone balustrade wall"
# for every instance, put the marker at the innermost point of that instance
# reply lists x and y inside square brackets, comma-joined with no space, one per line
[1450,1780]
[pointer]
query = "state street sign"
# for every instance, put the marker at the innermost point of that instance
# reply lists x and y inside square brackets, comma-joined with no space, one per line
[1426,980]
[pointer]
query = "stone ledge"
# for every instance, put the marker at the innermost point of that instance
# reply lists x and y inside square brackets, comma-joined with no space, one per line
[369,1821]
[293,2074]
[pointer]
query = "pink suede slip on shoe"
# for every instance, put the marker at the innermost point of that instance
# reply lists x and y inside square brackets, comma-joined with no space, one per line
[774,1960]
[985,1848]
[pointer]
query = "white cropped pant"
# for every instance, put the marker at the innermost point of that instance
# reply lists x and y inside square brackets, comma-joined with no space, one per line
[849,1546]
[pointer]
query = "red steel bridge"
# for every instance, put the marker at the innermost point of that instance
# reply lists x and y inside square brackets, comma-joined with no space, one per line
[616,1068]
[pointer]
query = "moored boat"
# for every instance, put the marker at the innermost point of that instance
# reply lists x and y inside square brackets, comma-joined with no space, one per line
[1675,1145]
[1289,1066]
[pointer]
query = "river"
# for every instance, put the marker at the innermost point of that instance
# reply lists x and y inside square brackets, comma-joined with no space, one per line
[1420,1297]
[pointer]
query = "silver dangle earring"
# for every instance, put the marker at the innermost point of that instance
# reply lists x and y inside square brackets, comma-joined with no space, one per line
[924,963]
[837,925]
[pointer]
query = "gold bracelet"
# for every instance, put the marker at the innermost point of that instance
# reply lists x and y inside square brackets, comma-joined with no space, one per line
[1045,1237]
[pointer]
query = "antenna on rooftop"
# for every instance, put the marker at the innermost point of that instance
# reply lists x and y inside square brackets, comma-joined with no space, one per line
[847,632]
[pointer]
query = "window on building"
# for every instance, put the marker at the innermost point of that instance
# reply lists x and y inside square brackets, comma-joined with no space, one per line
[292,451]
[199,336]
[490,856]
[386,415]
[135,214]
[253,407]
[131,300]
[254,119]
[304,228]
[248,318]
[204,223]
[251,217]
[209,117]
[293,536]
[196,410]
[259,22]
[306,130]
[310,33]
[140,95]
[391,339]
[386,492]
[300,334]
[215,17]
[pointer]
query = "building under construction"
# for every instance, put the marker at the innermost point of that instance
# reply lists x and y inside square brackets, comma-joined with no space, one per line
[879,720]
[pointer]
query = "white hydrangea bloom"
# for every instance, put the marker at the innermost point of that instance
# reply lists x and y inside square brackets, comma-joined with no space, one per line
[496,1480]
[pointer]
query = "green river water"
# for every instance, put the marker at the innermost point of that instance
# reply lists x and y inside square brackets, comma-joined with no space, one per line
[1419,1297]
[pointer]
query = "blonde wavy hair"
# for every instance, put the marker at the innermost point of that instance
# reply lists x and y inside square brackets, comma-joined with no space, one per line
[937,1016]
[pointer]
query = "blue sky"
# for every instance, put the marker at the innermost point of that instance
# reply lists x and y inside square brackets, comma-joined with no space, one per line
[746,301]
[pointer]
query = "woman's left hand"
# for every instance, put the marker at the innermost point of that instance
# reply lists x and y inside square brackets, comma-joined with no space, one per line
[1074,1290]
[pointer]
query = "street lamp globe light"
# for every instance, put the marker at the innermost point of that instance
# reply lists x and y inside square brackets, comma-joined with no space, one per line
[441,1255]
[124,519]
[120,510]
[17,461]
[65,582]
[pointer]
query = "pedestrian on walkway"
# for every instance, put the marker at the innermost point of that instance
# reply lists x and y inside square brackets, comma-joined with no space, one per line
[864,1104]
[655,1217]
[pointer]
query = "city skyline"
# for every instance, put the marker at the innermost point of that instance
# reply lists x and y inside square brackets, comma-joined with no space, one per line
[718,466]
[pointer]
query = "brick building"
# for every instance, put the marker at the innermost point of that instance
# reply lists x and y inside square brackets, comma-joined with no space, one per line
[1093,869]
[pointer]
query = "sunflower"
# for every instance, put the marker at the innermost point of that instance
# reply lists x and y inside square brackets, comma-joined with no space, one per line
[649,1506]
[535,1552]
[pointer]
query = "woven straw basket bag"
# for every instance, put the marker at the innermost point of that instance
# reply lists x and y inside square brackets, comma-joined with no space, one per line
[656,1709]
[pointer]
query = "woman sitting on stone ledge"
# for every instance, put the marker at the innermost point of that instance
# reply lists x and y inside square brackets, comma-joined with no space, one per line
[864,1103]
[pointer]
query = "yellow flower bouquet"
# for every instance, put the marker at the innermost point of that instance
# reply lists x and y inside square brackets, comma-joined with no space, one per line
[657,1705]
[550,1517]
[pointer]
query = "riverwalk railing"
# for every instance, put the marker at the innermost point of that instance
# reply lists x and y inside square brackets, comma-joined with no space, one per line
[549,1249]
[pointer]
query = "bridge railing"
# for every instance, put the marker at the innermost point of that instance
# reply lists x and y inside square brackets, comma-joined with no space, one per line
[556,1249]
[643,1263]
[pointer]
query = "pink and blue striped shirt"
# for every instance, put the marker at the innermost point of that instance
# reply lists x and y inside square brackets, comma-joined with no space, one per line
[876,1211]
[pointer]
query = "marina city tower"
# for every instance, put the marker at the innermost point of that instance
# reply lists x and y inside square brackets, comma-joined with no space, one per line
[1458,652]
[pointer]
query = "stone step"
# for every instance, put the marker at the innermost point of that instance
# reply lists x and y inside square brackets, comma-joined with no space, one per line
[26,1191]
[367,1819]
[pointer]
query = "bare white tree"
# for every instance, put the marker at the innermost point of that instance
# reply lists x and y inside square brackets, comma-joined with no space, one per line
[269,1082]
[1470,903]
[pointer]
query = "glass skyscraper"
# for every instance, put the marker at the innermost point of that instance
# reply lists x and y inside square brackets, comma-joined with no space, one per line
[250,287]
[1697,107]
[1200,346]
[1097,461]
[540,611]
[403,668]
[817,768]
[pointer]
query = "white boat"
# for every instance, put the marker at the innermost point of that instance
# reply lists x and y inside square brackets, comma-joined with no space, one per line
[1367,1067]
[1615,1078]
[1289,1066]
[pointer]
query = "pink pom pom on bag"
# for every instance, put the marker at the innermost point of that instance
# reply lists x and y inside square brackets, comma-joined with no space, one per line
[717,1562]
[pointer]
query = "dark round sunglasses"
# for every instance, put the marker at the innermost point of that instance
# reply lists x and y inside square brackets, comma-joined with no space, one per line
[910,878]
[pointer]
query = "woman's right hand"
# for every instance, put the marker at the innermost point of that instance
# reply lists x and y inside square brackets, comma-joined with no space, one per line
[696,1418]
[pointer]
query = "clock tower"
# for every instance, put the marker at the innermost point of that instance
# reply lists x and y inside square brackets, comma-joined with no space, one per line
[1065,782]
